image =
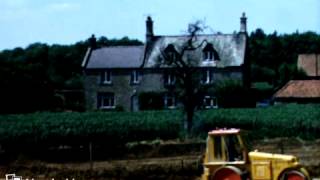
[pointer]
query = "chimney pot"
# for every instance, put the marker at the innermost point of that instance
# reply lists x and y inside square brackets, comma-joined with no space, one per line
[149,29]
[243,23]
[93,42]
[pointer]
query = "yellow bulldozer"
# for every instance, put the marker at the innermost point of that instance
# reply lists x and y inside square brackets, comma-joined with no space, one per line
[227,158]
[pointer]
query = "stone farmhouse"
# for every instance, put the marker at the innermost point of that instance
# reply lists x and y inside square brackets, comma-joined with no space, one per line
[115,77]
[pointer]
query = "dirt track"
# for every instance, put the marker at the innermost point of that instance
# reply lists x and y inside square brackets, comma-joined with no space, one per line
[171,166]
[183,167]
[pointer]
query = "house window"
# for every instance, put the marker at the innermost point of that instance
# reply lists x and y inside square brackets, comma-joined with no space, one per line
[206,77]
[210,102]
[170,54]
[135,77]
[106,77]
[106,101]
[208,56]
[169,79]
[169,101]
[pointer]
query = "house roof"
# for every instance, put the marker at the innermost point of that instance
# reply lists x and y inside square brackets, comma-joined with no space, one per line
[300,89]
[115,57]
[310,63]
[230,48]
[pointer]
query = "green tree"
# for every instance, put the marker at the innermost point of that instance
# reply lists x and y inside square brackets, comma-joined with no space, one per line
[289,72]
[232,94]
[40,76]
[275,56]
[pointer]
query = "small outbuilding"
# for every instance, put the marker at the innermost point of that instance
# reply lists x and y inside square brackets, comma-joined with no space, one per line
[299,91]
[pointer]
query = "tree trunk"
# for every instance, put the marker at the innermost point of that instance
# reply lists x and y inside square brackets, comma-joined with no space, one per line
[190,113]
[90,155]
[189,103]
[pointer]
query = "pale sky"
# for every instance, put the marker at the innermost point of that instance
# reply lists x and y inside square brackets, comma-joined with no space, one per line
[68,21]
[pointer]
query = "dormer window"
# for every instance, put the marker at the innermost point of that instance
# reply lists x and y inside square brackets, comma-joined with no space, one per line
[170,53]
[210,54]
[171,56]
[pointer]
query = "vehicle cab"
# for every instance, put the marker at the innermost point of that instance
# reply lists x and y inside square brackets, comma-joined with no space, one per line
[227,158]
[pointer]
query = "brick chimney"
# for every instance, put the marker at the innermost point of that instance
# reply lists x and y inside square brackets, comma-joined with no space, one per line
[93,42]
[149,29]
[243,23]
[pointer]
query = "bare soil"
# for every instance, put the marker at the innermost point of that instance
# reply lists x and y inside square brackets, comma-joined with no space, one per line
[163,160]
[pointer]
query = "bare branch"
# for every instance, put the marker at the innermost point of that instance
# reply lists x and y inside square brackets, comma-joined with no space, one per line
[185,71]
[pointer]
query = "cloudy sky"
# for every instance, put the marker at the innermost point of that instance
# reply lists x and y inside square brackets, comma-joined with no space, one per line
[67,21]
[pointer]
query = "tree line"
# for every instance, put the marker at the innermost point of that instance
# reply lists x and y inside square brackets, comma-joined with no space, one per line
[274,56]
[44,77]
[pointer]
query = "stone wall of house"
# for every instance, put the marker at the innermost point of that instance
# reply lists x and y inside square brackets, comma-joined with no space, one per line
[227,73]
[91,83]
[151,80]
[121,86]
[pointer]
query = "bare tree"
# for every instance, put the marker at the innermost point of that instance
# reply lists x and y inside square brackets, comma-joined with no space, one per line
[185,67]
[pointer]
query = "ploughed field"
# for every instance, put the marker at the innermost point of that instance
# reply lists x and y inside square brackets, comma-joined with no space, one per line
[144,160]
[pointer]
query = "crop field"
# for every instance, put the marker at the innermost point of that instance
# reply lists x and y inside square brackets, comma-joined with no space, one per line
[56,144]
[164,160]
[121,127]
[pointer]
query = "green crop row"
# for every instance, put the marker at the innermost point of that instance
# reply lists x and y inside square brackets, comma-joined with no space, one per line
[122,127]
[77,128]
[277,121]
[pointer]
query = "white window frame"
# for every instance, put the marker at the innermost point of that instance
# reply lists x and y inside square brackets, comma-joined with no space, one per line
[106,77]
[170,79]
[206,56]
[166,99]
[110,98]
[212,104]
[135,77]
[208,75]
